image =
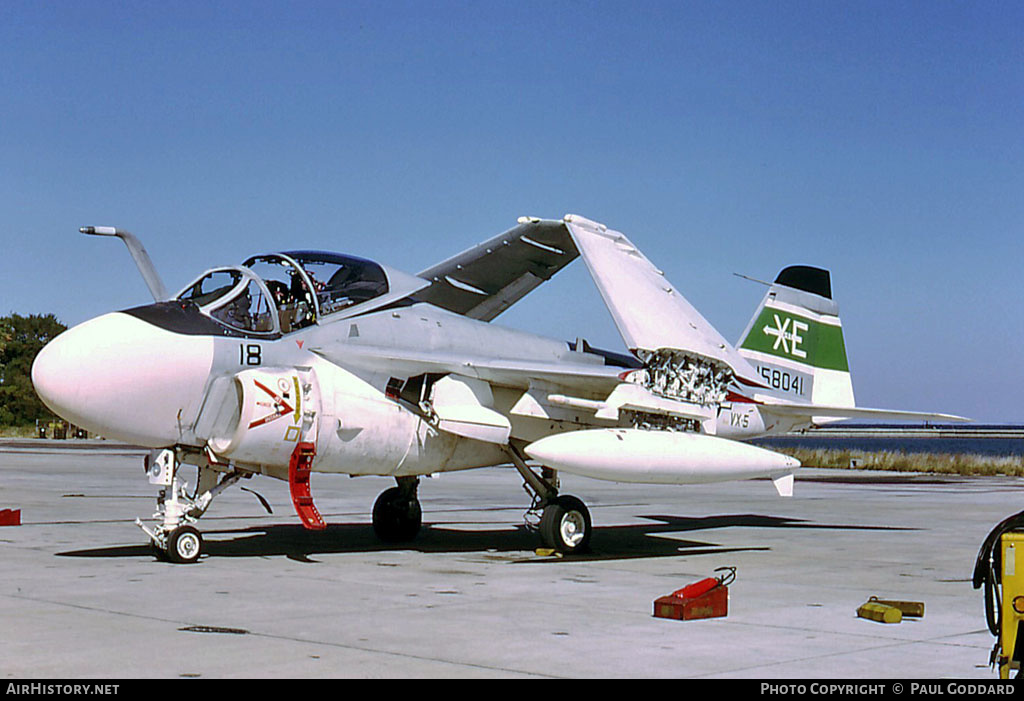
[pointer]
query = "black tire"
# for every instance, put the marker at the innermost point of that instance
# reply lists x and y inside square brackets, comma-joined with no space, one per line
[396,518]
[565,525]
[158,552]
[184,545]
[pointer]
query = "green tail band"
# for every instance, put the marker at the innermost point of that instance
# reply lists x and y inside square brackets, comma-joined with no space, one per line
[797,339]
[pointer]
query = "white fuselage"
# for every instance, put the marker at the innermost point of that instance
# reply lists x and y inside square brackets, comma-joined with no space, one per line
[251,400]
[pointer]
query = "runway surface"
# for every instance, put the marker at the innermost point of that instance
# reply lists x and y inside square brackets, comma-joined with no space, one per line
[81,595]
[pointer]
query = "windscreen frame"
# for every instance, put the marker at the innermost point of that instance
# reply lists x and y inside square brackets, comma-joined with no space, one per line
[246,278]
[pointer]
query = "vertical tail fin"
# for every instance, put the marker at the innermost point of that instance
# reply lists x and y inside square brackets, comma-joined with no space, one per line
[795,339]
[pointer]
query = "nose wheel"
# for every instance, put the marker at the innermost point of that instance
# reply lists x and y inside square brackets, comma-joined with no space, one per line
[184,545]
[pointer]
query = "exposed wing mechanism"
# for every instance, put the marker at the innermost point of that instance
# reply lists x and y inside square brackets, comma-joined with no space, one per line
[485,280]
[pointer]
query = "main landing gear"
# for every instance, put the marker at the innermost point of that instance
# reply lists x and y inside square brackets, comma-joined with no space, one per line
[397,515]
[565,524]
[563,521]
[174,537]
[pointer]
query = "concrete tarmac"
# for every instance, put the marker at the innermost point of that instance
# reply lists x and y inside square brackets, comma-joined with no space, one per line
[81,595]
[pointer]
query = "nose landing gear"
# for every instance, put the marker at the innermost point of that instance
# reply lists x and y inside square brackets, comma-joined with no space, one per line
[184,545]
[174,538]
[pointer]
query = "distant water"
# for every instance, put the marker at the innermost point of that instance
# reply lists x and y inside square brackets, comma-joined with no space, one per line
[965,441]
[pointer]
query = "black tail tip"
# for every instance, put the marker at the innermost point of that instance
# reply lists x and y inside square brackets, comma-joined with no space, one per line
[809,279]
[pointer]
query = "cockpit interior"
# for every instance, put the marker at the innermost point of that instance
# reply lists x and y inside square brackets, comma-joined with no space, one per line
[283,292]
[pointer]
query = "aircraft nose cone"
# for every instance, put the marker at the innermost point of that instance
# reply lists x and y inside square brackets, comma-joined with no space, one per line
[46,374]
[123,378]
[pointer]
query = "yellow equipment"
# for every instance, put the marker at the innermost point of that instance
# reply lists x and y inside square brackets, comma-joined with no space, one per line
[890,611]
[875,611]
[909,609]
[1012,605]
[1000,568]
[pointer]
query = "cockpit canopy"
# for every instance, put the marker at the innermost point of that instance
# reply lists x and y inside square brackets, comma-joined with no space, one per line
[282,292]
[340,281]
[235,297]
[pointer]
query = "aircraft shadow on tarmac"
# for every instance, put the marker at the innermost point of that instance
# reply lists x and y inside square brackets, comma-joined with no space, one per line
[647,540]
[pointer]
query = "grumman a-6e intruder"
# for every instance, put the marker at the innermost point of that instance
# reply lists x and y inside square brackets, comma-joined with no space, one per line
[305,361]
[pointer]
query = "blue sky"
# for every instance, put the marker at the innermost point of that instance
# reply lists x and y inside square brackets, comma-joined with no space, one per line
[880,140]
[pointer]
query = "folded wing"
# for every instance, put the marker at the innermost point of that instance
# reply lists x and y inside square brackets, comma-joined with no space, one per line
[485,280]
[650,313]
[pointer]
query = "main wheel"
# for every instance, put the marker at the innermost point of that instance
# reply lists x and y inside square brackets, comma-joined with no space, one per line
[396,517]
[184,545]
[565,525]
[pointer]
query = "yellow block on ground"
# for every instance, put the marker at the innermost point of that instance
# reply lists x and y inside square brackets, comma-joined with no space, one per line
[875,611]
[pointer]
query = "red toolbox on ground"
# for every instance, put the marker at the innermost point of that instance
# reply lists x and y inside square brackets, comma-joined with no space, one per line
[708,598]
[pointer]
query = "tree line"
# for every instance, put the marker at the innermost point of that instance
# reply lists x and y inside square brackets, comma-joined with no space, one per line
[21,339]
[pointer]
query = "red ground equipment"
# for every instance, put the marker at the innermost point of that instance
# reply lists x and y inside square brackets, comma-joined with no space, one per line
[10,517]
[708,598]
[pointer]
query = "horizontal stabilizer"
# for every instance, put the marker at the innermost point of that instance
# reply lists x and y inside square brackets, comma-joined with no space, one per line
[846,412]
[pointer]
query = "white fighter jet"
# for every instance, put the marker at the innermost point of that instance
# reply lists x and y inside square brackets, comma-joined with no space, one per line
[306,361]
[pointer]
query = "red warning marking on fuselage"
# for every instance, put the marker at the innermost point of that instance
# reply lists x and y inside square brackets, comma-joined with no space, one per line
[282,407]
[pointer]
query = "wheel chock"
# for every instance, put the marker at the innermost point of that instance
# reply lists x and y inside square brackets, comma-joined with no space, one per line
[879,612]
[298,484]
[909,609]
[708,598]
[10,517]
